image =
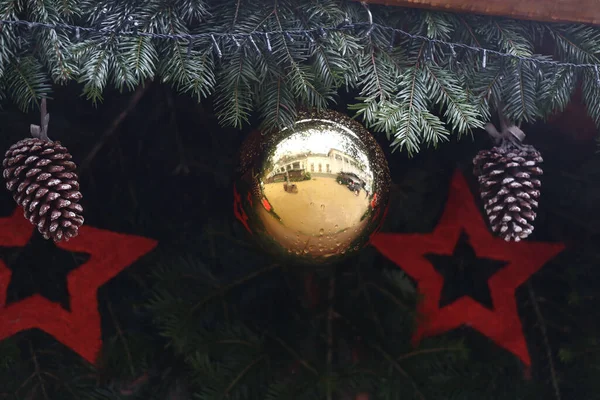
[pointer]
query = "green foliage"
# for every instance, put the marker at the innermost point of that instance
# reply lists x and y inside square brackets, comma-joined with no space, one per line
[417,93]
[304,353]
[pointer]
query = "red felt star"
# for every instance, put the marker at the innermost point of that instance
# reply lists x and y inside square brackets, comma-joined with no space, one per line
[502,325]
[78,329]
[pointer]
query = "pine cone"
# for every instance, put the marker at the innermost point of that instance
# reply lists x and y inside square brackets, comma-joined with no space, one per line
[509,184]
[41,176]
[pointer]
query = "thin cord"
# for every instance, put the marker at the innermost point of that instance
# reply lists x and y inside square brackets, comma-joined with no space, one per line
[236,37]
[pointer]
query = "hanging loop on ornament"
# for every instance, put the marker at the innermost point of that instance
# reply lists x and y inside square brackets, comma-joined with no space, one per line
[371,25]
[516,133]
[41,131]
[484,59]
[510,133]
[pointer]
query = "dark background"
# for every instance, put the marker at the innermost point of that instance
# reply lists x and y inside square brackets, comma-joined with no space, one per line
[167,173]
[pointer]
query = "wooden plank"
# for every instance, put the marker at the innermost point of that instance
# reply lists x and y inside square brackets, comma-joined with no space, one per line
[580,11]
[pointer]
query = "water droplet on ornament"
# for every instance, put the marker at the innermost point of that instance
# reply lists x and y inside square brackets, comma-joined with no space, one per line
[322,206]
[321,232]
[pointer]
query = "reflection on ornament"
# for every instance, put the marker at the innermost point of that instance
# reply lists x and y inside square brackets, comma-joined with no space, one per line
[314,191]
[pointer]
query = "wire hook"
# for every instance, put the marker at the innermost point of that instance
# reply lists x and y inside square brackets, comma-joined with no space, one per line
[371,26]
[366,6]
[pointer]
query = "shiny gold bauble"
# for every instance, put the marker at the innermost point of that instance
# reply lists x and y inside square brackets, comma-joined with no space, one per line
[315,192]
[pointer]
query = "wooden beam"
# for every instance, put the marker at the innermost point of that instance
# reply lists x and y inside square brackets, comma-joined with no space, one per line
[574,11]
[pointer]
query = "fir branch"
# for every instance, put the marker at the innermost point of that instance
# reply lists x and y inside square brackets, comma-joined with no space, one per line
[122,75]
[413,97]
[192,10]
[234,97]
[294,55]
[332,59]
[193,73]
[26,82]
[438,25]
[512,36]
[140,57]
[94,57]
[307,60]
[520,94]
[557,89]
[58,60]
[7,43]
[277,103]
[576,42]
[591,96]
[488,83]
[444,90]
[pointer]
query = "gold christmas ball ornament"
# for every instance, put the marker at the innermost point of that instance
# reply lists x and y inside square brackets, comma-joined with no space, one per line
[313,193]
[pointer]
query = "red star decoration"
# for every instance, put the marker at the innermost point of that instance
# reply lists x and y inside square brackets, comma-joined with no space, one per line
[79,329]
[502,325]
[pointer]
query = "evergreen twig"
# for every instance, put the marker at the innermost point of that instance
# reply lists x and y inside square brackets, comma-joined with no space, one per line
[419,85]
[114,126]
[542,323]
